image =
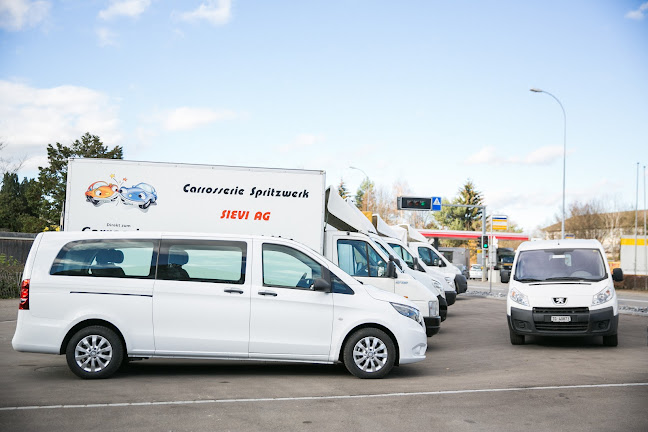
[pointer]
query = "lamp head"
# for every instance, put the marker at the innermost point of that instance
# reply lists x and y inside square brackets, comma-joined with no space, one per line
[536,90]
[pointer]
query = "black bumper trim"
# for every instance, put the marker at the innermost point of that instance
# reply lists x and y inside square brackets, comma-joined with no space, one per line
[461,284]
[451,297]
[601,322]
[432,325]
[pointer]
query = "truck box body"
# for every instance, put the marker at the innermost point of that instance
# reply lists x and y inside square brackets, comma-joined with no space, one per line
[119,195]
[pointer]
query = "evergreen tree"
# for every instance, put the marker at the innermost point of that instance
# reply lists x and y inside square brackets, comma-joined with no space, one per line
[53,178]
[342,189]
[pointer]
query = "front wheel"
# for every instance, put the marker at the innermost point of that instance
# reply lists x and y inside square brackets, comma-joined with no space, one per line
[611,340]
[94,352]
[369,353]
[516,339]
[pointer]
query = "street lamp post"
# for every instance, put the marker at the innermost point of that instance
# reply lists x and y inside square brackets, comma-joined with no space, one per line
[535,90]
[364,198]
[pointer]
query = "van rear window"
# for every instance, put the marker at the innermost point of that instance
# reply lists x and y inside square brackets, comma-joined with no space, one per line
[107,258]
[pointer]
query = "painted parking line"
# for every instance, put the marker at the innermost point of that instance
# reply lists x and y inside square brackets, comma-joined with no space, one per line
[316,398]
[634,301]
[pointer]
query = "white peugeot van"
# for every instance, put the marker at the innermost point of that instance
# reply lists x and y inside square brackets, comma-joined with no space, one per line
[562,288]
[103,297]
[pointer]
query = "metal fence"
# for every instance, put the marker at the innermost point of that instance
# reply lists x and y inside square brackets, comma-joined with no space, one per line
[16,245]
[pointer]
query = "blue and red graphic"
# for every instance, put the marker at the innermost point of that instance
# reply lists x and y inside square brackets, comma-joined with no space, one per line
[101,192]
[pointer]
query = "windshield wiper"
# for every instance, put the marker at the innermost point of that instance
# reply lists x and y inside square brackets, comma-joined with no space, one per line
[529,280]
[573,278]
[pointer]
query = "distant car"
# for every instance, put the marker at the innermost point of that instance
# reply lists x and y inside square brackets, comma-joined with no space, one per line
[475,271]
[464,270]
[141,195]
[101,192]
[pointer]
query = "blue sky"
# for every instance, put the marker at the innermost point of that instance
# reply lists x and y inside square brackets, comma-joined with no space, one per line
[430,93]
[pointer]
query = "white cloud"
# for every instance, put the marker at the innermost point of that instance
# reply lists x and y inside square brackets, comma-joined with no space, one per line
[127,8]
[639,13]
[541,156]
[31,118]
[302,141]
[484,156]
[106,37]
[185,118]
[216,12]
[15,15]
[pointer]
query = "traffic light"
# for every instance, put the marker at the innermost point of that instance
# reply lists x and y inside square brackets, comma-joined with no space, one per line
[484,242]
[414,203]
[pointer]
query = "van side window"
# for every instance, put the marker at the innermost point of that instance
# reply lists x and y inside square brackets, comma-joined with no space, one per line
[358,258]
[217,261]
[339,287]
[404,254]
[107,258]
[429,257]
[286,267]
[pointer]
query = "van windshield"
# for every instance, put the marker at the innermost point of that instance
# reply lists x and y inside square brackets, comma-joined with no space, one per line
[560,264]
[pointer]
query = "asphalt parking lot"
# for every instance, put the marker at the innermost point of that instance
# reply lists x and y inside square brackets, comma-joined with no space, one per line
[472,379]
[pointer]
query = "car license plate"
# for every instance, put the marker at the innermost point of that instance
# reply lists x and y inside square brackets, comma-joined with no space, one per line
[560,319]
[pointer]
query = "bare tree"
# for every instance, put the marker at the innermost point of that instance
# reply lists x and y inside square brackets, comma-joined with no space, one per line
[8,164]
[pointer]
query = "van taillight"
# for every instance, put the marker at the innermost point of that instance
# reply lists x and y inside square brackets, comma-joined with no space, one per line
[24,295]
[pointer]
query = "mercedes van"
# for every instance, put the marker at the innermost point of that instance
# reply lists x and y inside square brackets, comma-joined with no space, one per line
[101,298]
[562,288]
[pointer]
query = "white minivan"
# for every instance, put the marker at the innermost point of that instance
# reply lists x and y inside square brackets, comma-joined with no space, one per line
[104,297]
[562,288]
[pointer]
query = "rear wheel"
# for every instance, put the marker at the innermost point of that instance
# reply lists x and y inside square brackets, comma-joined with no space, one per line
[94,352]
[369,353]
[611,340]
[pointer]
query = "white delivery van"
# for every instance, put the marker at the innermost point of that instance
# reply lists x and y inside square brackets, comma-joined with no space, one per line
[350,242]
[102,298]
[430,257]
[447,294]
[237,200]
[562,288]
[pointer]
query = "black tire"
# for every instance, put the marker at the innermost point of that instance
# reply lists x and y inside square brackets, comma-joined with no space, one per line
[94,352]
[516,339]
[611,340]
[145,205]
[369,353]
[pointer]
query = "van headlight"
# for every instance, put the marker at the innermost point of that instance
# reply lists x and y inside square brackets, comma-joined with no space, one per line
[407,311]
[434,307]
[437,284]
[519,297]
[604,296]
[450,281]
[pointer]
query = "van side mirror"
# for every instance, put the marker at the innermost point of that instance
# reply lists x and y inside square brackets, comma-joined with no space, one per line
[321,284]
[394,260]
[417,265]
[391,270]
[617,275]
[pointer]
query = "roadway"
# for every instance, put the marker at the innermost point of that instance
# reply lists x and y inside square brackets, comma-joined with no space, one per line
[473,379]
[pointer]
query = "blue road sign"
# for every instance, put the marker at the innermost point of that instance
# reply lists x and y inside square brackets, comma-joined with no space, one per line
[436,203]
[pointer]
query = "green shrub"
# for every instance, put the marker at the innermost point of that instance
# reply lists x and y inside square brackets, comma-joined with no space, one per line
[10,273]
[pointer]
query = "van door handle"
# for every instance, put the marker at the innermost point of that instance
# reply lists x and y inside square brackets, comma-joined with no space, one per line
[233,290]
[266,293]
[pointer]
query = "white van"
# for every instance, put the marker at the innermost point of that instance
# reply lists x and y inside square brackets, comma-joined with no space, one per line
[103,297]
[429,257]
[562,288]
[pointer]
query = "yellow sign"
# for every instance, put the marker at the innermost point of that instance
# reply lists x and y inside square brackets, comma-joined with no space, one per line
[499,223]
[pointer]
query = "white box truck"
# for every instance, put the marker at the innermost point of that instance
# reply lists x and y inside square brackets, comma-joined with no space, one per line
[116,195]
[119,195]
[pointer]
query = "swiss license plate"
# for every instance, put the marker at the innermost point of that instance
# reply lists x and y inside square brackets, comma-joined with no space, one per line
[560,319]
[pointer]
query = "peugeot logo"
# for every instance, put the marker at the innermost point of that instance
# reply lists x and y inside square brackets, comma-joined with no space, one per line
[560,300]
